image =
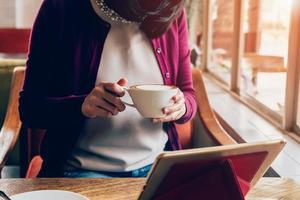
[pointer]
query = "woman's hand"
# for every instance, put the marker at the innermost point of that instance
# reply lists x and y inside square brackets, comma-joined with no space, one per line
[104,100]
[174,112]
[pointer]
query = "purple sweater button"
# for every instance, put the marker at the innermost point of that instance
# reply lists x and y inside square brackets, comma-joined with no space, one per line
[158,50]
[167,75]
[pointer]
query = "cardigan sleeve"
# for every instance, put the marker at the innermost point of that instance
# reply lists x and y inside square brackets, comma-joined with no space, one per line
[184,79]
[37,108]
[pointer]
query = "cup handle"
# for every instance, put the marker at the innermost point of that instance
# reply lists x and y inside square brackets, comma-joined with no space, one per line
[126,103]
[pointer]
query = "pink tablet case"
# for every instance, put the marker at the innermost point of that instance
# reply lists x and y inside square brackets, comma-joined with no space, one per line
[227,178]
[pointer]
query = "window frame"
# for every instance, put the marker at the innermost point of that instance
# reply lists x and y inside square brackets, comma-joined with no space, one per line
[286,122]
[292,85]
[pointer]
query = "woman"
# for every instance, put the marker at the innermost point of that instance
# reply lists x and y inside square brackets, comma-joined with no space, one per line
[81,54]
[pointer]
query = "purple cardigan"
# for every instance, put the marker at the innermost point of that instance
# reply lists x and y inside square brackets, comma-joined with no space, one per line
[66,43]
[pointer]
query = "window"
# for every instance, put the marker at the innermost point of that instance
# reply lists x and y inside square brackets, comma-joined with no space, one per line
[194,9]
[195,16]
[222,16]
[249,46]
[264,63]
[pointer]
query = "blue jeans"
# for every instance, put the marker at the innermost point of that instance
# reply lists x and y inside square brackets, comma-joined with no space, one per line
[142,172]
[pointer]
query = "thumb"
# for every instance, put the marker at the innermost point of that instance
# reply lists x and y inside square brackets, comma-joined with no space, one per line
[122,81]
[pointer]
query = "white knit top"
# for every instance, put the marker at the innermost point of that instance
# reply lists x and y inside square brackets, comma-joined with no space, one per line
[127,141]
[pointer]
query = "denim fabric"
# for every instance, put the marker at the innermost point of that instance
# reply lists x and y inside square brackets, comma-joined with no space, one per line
[142,172]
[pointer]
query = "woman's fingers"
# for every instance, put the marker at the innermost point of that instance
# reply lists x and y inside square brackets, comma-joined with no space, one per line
[101,103]
[101,112]
[175,111]
[91,111]
[104,100]
[123,81]
[116,101]
[115,89]
[171,117]
[179,103]
[175,107]
[178,96]
[101,93]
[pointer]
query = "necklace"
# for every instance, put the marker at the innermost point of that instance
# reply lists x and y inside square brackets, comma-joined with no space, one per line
[111,14]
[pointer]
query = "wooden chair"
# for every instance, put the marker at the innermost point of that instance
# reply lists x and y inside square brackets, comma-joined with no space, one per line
[263,63]
[12,124]
[204,130]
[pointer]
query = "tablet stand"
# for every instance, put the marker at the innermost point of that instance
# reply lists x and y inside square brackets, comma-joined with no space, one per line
[222,179]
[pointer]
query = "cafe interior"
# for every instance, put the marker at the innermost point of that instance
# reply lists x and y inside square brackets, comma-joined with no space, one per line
[245,68]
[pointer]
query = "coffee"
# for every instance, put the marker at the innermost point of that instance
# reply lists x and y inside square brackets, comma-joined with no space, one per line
[150,99]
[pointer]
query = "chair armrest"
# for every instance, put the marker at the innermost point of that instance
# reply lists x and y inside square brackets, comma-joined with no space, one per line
[207,115]
[8,138]
[11,127]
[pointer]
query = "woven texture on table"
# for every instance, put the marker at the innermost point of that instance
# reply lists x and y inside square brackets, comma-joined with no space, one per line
[129,189]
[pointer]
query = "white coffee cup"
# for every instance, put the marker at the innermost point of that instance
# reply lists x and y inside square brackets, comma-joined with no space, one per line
[150,99]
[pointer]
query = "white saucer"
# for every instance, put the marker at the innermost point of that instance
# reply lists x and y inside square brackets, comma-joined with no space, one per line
[48,195]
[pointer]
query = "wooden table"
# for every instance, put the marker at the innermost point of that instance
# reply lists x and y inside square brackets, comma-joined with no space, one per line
[112,189]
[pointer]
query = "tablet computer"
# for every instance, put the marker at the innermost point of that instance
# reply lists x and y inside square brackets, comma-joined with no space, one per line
[248,162]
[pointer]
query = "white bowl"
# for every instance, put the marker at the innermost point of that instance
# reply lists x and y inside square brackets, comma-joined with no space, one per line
[48,195]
